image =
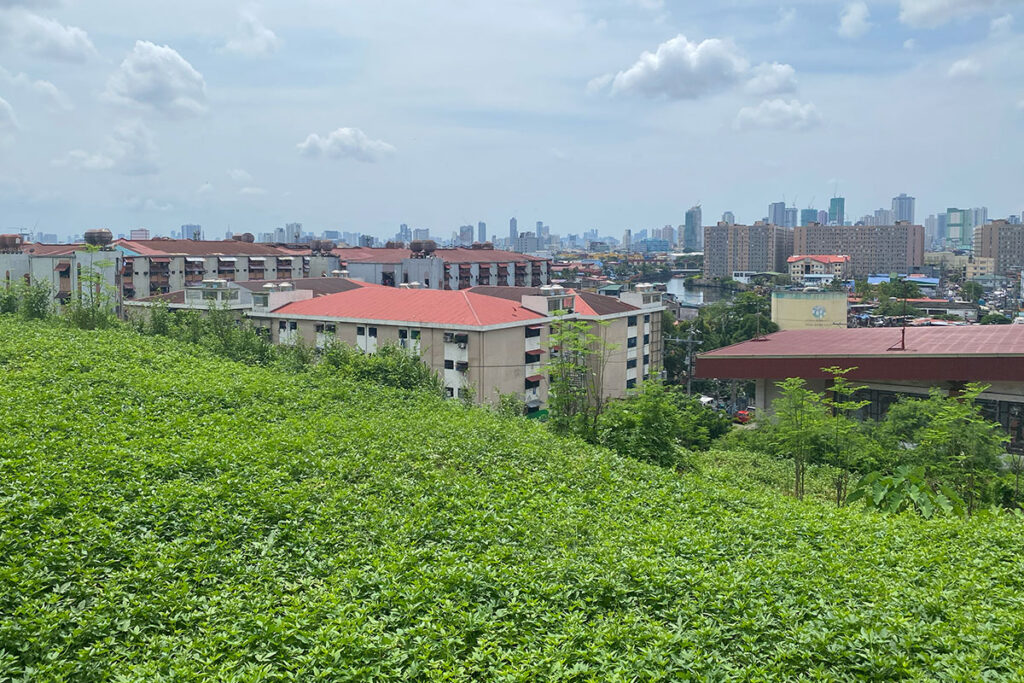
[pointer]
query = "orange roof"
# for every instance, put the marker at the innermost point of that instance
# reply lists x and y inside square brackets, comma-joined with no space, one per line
[441,307]
[457,255]
[163,247]
[37,249]
[820,258]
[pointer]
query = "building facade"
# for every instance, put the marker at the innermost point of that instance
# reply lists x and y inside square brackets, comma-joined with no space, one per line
[1003,242]
[757,248]
[872,248]
[818,268]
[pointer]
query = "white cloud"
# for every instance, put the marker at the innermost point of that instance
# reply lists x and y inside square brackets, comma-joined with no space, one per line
[349,143]
[772,79]
[966,68]
[158,78]
[240,175]
[778,114]
[680,69]
[1001,27]
[8,121]
[252,38]
[853,20]
[909,44]
[933,13]
[148,204]
[205,188]
[252,191]
[129,150]
[786,18]
[45,37]
[52,95]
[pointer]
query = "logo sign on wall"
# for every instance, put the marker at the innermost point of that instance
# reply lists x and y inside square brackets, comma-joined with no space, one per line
[819,312]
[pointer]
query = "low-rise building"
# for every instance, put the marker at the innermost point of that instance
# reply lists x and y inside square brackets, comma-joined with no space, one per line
[794,310]
[452,269]
[818,268]
[485,341]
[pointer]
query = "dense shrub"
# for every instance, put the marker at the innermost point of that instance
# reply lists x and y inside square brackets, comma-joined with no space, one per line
[170,515]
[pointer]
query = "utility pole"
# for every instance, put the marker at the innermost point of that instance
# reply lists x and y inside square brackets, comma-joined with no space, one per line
[690,343]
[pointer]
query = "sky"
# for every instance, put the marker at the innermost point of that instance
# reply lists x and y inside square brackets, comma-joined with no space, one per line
[583,114]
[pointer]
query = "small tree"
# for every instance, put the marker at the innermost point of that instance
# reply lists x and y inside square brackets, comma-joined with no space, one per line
[799,425]
[646,425]
[576,365]
[844,452]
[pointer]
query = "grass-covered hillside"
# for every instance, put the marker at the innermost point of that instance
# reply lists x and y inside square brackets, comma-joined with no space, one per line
[168,515]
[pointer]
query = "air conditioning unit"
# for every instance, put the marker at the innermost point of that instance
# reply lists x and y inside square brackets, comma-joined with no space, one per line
[461,345]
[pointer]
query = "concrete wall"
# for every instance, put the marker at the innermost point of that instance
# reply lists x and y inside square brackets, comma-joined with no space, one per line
[808,310]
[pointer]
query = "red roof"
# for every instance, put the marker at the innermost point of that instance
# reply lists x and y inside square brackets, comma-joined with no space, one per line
[962,353]
[164,247]
[820,258]
[415,306]
[49,249]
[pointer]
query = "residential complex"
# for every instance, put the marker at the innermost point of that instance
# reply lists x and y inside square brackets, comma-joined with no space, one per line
[872,248]
[757,248]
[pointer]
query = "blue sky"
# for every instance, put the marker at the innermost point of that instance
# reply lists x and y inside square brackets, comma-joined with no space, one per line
[581,113]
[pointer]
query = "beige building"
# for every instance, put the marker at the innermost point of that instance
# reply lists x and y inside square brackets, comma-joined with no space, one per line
[873,249]
[61,267]
[809,310]
[1003,242]
[485,341]
[757,248]
[818,268]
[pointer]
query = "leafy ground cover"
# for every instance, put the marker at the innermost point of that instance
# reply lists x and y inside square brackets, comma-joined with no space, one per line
[165,514]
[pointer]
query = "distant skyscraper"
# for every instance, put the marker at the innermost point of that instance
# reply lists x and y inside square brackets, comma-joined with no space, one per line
[513,232]
[627,239]
[884,217]
[191,231]
[421,234]
[931,230]
[837,211]
[790,217]
[1014,219]
[139,234]
[693,232]
[729,218]
[959,228]
[808,216]
[293,233]
[366,240]
[404,233]
[465,234]
[481,232]
[903,208]
[823,217]
[777,213]
[979,216]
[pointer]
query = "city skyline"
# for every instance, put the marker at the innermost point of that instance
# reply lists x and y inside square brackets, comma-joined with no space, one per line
[352,118]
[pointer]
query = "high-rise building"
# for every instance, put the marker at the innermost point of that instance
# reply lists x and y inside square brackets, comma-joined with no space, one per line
[777,213]
[759,248]
[979,216]
[627,239]
[931,230]
[668,233]
[138,234]
[959,228]
[790,217]
[366,240]
[421,233]
[191,231]
[1002,241]
[693,232]
[808,216]
[883,217]
[293,233]
[466,235]
[836,214]
[404,233]
[1014,219]
[513,232]
[729,218]
[872,249]
[481,232]
[823,217]
[903,208]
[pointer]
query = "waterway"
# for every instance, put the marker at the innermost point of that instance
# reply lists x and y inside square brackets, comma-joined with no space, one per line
[698,295]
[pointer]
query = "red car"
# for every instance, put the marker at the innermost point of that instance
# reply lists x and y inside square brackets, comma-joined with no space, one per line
[742,417]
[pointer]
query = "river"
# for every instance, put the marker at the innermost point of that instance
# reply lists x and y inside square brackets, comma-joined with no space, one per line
[698,295]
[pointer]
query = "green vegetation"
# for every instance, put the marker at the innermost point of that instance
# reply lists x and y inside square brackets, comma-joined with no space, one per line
[994,318]
[171,515]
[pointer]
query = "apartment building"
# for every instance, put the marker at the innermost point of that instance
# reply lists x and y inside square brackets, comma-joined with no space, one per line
[1003,242]
[872,248]
[449,269]
[484,341]
[818,268]
[59,266]
[758,248]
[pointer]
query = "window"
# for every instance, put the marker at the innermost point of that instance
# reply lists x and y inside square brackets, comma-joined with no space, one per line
[532,331]
[647,318]
[449,365]
[403,334]
[630,383]
[462,366]
[631,343]
[282,325]
[415,334]
[360,331]
[331,328]
[631,321]
[647,359]
[373,331]
[647,339]
[631,363]
[449,392]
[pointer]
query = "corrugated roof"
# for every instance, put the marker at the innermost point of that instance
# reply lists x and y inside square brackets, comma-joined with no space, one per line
[460,307]
[37,249]
[458,255]
[820,258]
[986,340]
[320,286]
